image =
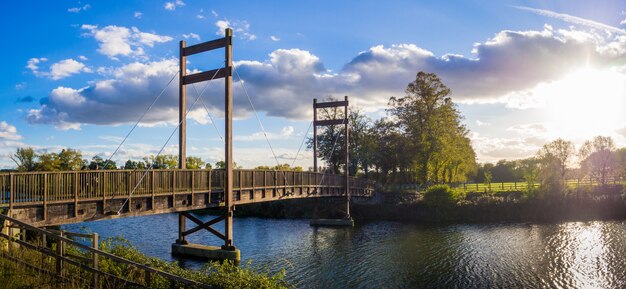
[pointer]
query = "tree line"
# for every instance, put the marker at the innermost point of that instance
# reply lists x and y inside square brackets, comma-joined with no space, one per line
[28,159]
[559,160]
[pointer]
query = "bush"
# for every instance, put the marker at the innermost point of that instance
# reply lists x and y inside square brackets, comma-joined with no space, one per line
[440,196]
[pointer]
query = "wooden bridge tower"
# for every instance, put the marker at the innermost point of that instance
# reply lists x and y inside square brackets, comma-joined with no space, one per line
[182,247]
[347,219]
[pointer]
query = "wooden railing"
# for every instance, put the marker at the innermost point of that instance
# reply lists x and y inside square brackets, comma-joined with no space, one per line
[41,187]
[45,251]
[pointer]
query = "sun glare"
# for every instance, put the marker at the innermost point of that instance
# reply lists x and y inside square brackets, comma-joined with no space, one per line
[585,103]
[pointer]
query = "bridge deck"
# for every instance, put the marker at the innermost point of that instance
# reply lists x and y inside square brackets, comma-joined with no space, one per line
[54,198]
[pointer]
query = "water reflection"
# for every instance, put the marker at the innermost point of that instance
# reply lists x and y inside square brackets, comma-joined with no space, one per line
[393,255]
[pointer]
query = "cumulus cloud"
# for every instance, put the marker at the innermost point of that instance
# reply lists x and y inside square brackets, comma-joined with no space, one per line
[58,70]
[8,132]
[501,70]
[118,40]
[67,67]
[285,132]
[274,38]
[492,149]
[78,9]
[137,14]
[241,28]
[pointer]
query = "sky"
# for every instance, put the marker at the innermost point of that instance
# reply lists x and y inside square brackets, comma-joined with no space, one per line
[80,74]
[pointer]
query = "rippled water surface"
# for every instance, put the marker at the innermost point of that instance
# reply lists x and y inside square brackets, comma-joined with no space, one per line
[394,255]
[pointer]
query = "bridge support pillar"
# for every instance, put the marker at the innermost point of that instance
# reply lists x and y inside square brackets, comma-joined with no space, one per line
[206,252]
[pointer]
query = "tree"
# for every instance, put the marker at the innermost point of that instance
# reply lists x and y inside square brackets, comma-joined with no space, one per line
[25,158]
[556,155]
[620,154]
[221,165]
[194,163]
[430,120]
[97,163]
[131,165]
[166,161]
[70,160]
[598,158]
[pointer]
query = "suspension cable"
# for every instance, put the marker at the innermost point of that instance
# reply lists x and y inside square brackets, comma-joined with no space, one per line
[256,114]
[332,151]
[164,145]
[301,144]
[207,111]
[140,119]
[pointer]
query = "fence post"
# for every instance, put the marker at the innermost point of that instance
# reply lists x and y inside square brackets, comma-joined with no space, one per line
[75,194]
[11,194]
[45,196]
[94,260]
[59,254]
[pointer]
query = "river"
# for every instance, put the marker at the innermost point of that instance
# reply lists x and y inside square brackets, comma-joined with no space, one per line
[397,255]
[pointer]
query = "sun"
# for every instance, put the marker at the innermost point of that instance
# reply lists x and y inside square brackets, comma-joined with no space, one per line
[586,103]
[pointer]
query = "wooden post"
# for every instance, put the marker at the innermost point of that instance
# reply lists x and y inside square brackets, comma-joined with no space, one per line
[209,191]
[346,143]
[130,190]
[182,108]
[94,260]
[192,183]
[75,194]
[45,196]
[152,174]
[104,193]
[59,254]
[314,135]
[228,131]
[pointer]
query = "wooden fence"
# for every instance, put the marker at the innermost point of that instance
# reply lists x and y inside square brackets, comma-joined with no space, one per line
[37,187]
[45,251]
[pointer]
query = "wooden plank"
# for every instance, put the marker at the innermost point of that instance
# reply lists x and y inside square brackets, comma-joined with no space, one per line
[331,122]
[207,75]
[45,196]
[330,104]
[205,46]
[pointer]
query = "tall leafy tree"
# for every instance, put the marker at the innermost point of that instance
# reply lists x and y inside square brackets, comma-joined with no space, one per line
[598,158]
[557,155]
[195,162]
[430,120]
[25,158]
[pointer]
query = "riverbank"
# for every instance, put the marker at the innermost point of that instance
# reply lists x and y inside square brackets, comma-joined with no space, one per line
[598,203]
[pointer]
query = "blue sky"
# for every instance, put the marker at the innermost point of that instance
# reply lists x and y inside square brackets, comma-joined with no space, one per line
[79,74]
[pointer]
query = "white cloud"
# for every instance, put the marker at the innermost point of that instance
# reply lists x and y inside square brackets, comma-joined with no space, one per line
[33,64]
[200,16]
[171,6]
[78,9]
[501,70]
[118,40]
[214,13]
[83,58]
[274,38]
[137,14]
[285,133]
[20,86]
[481,123]
[240,29]
[622,131]
[58,70]
[67,67]
[574,20]
[8,132]
[192,35]
[623,22]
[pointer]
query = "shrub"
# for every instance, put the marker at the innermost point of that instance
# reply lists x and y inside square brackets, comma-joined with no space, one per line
[440,196]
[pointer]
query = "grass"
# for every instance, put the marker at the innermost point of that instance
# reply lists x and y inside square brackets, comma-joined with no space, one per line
[216,274]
